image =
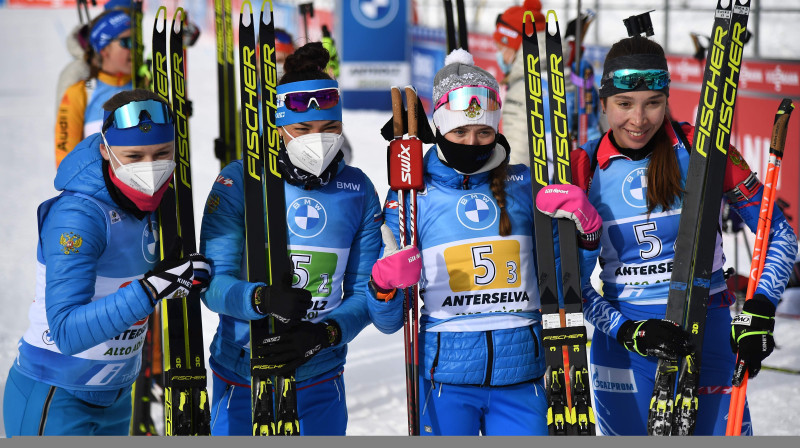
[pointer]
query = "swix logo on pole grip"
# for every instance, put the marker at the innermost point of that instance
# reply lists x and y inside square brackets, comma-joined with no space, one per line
[405,164]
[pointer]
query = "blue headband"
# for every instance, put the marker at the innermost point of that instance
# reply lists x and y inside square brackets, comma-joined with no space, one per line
[146,132]
[117,4]
[108,28]
[284,116]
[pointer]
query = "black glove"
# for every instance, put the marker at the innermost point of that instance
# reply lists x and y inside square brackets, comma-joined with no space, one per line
[171,278]
[424,127]
[751,336]
[655,337]
[296,345]
[201,267]
[281,301]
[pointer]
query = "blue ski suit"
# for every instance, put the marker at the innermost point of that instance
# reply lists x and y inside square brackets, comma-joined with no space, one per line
[82,350]
[480,328]
[635,256]
[334,239]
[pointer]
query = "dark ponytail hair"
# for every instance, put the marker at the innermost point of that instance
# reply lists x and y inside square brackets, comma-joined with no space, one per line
[664,186]
[497,183]
[306,63]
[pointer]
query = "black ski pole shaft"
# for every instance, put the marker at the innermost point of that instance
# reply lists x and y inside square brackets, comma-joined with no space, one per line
[463,38]
[450,26]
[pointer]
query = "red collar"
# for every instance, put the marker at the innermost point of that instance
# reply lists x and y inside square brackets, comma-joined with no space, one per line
[606,151]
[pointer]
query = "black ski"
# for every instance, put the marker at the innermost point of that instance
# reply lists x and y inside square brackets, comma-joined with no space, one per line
[226,146]
[274,402]
[695,244]
[559,331]
[287,418]
[186,401]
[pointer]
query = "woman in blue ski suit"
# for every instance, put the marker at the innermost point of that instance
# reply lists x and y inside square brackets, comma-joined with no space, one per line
[640,213]
[97,277]
[481,355]
[333,218]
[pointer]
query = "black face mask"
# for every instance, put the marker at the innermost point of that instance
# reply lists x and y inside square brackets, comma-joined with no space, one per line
[466,159]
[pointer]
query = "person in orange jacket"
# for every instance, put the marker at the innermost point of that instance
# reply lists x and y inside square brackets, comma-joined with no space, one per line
[80,112]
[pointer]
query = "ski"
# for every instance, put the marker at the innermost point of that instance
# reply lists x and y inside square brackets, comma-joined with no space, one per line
[567,329]
[226,146]
[186,401]
[404,160]
[274,399]
[674,412]
[287,418]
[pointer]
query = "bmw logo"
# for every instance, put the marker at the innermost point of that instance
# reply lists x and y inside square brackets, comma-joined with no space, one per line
[476,211]
[306,217]
[634,188]
[150,244]
[374,13]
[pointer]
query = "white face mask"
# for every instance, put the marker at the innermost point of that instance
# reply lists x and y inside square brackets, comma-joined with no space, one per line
[146,177]
[313,152]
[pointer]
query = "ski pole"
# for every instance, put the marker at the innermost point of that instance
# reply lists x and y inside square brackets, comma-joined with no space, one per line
[738,393]
[450,26]
[405,176]
[463,38]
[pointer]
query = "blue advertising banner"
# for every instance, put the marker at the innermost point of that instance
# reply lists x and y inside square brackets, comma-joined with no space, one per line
[374,51]
[428,50]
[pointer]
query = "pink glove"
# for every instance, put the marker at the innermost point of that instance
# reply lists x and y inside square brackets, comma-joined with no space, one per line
[397,268]
[570,201]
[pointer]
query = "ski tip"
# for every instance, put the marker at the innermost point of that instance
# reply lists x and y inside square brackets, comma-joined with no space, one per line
[160,8]
[249,7]
[526,23]
[552,31]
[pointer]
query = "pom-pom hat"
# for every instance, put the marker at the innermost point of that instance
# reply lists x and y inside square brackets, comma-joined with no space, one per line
[460,71]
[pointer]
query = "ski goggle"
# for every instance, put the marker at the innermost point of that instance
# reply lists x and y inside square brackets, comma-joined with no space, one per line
[326,98]
[125,42]
[462,98]
[630,79]
[133,113]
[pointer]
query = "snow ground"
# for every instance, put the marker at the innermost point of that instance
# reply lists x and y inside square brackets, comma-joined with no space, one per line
[32,48]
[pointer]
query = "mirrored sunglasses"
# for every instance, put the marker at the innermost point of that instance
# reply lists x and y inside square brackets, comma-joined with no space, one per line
[462,98]
[131,114]
[125,42]
[630,79]
[301,101]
